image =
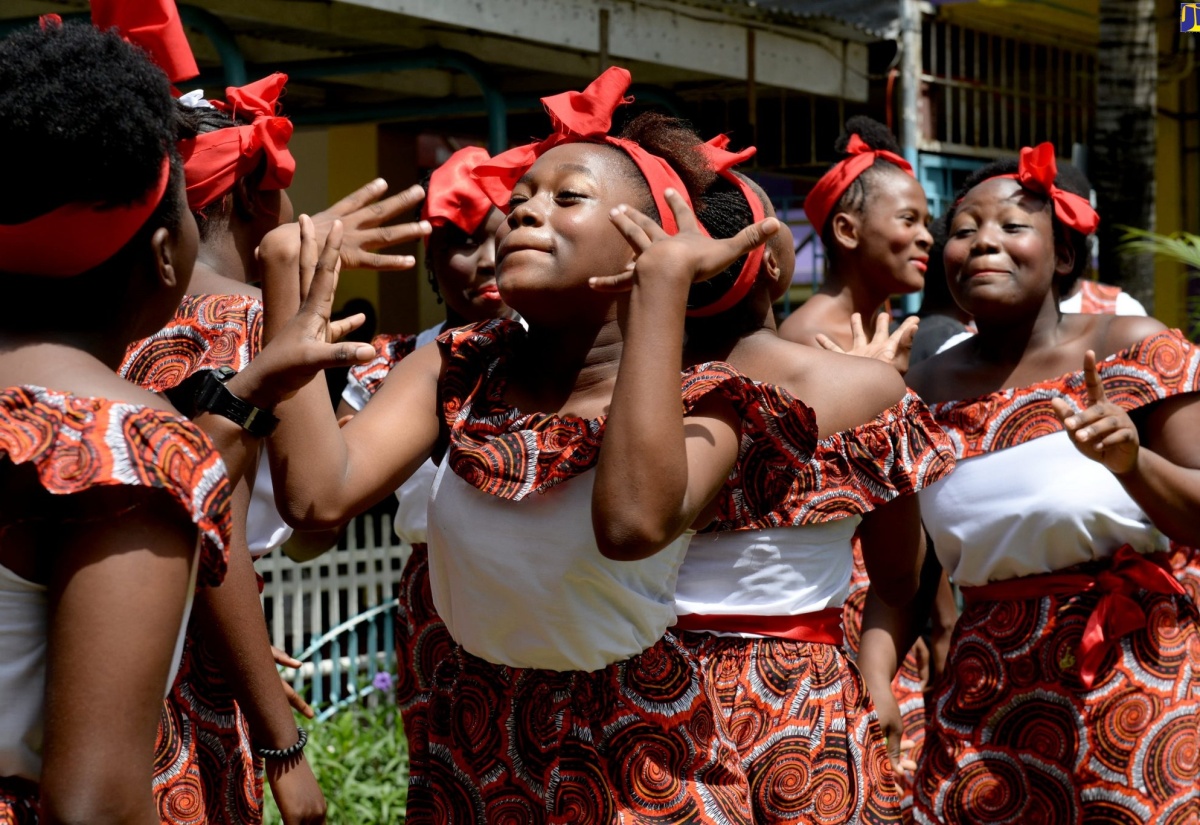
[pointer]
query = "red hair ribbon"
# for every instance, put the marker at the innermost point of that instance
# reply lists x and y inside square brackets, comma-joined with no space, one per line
[584,117]
[155,26]
[824,196]
[76,237]
[722,162]
[215,161]
[1036,172]
[455,195]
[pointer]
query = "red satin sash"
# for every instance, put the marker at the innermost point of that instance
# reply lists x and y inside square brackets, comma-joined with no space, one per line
[819,627]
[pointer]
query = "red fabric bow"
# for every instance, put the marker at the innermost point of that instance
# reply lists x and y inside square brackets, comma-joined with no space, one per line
[1037,171]
[455,195]
[1115,614]
[722,162]
[76,237]
[824,196]
[584,117]
[155,26]
[215,161]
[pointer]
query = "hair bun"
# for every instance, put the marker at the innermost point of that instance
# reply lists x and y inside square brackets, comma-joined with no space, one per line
[871,132]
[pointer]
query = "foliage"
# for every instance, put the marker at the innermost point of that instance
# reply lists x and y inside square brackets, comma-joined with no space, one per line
[1182,247]
[360,757]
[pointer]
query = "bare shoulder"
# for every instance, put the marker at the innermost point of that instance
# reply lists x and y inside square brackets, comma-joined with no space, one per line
[844,391]
[799,330]
[1120,332]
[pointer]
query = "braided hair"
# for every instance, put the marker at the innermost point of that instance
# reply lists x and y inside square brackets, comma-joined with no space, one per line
[84,118]
[858,194]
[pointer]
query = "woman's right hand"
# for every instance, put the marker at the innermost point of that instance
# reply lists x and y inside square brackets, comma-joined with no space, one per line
[308,343]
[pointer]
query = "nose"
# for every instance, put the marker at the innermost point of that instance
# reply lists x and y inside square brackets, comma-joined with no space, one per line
[485,264]
[924,238]
[986,239]
[526,213]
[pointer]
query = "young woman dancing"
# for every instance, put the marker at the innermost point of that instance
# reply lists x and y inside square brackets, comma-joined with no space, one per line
[115,506]
[1071,689]
[564,698]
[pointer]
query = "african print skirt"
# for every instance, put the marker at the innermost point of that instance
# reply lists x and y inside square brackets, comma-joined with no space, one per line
[422,641]
[907,687]
[1015,736]
[636,742]
[804,727]
[18,801]
[204,767]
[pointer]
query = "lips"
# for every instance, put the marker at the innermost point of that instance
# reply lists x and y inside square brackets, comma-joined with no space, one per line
[514,243]
[921,264]
[486,292]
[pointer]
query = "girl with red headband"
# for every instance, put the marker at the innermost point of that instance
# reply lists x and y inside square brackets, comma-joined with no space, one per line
[760,591]
[564,698]
[460,254]
[1073,680]
[115,506]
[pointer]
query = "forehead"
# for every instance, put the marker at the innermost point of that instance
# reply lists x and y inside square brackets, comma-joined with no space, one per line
[892,184]
[997,193]
[607,165]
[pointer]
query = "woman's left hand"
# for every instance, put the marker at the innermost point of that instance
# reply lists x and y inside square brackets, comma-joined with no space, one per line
[1103,432]
[891,348]
[690,253]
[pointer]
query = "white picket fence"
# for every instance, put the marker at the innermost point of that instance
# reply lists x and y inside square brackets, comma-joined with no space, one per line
[336,613]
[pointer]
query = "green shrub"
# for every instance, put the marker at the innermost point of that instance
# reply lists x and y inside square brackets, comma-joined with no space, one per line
[360,757]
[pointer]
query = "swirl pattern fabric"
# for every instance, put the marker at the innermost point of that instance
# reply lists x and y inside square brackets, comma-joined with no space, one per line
[786,477]
[804,728]
[907,686]
[208,331]
[78,443]
[1015,737]
[390,349]
[636,742]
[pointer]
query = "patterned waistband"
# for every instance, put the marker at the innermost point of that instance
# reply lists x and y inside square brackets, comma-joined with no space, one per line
[819,627]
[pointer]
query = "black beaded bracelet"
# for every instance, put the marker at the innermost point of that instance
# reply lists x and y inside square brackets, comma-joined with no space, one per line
[285,753]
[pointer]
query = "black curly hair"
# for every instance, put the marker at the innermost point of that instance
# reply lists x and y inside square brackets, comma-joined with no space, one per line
[1070,179]
[858,194]
[193,121]
[675,141]
[84,118]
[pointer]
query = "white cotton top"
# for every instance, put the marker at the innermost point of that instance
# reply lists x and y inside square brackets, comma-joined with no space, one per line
[523,583]
[1126,304]
[778,571]
[23,616]
[265,528]
[1037,507]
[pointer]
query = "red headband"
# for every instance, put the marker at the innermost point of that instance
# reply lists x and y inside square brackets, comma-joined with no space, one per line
[824,196]
[214,161]
[1036,172]
[455,195]
[584,117]
[76,237]
[722,162]
[154,25]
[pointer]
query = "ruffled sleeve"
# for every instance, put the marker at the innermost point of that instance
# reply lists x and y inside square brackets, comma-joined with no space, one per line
[785,476]
[1161,366]
[364,380]
[208,331]
[79,443]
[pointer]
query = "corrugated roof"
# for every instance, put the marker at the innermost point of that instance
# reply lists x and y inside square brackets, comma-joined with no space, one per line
[852,19]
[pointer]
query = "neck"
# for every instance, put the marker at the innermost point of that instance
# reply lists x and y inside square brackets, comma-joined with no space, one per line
[716,347]
[579,357]
[229,253]
[852,294]
[72,345]
[1007,340]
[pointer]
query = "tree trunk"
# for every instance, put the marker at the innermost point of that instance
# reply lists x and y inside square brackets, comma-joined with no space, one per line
[1125,145]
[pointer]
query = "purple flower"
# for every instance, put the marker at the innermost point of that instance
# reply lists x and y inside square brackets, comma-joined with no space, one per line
[383,681]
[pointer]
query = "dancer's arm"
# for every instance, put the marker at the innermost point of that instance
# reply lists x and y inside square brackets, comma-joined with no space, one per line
[116,597]
[659,469]
[894,549]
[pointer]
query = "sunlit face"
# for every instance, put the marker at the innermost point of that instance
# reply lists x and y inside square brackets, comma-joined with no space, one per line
[893,250]
[558,232]
[1001,250]
[465,268]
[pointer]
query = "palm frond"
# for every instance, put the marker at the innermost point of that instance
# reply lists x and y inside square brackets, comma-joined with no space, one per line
[1183,247]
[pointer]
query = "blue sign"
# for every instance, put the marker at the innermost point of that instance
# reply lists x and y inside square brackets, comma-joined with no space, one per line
[1189,17]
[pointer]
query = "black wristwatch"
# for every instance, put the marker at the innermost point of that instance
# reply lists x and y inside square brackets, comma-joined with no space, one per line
[214,397]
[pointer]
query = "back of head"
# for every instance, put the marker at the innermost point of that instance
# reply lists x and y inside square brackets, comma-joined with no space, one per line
[85,118]
[675,141]
[200,120]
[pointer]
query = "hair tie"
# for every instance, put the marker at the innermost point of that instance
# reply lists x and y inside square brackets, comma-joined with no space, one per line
[722,162]
[214,161]
[76,237]
[455,195]
[829,189]
[156,27]
[1037,171]
[584,117]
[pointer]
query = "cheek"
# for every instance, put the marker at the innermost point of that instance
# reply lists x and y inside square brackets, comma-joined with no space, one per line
[460,269]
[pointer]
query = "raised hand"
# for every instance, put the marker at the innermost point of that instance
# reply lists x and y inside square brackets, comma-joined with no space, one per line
[891,348]
[308,342]
[1103,432]
[690,253]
